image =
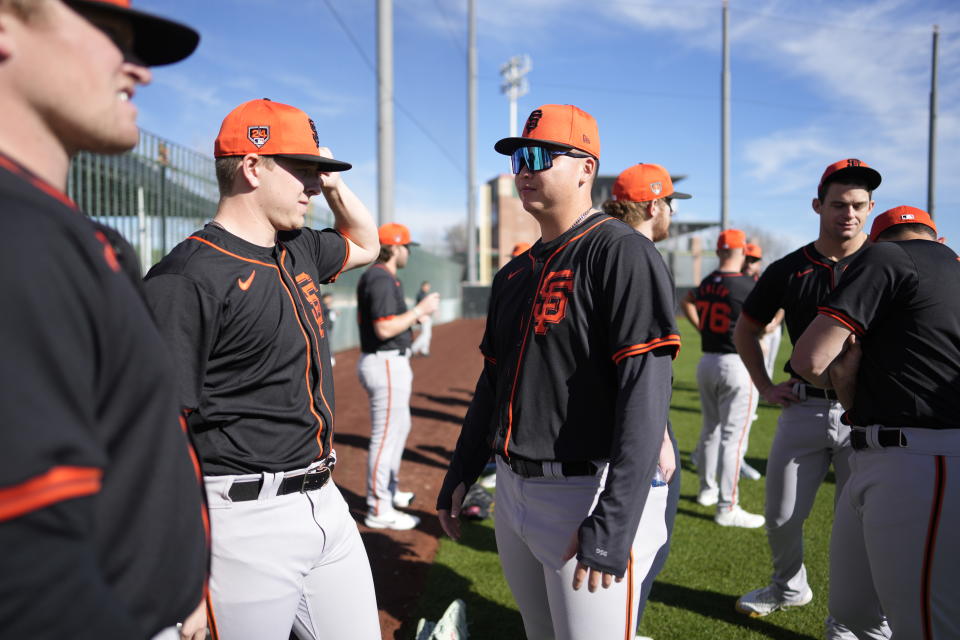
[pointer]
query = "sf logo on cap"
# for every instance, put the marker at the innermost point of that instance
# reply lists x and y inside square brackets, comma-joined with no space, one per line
[258,135]
[656,187]
[532,121]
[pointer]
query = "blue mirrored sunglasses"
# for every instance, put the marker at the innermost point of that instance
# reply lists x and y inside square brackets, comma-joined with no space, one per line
[538,158]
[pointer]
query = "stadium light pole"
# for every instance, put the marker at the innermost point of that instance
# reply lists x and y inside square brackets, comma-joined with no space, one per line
[725,122]
[515,84]
[385,131]
[932,142]
[471,141]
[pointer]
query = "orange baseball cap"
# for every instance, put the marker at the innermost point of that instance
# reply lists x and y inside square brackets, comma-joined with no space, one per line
[272,129]
[643,183]
[851,168]
[156,40]
[519,248]
[900,215]
[752,250]
[559,125]
[393,233]
[731,239]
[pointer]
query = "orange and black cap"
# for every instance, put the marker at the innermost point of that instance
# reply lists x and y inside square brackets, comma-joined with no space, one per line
[752,250]
[156,40]
[395,234]
[643,183]
[272,128]
[849,169]
[731,239]
[519,248]
[558,125]
[900,215]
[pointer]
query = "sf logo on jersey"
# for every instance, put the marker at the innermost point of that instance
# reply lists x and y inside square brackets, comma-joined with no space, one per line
[310,293]
[551,306]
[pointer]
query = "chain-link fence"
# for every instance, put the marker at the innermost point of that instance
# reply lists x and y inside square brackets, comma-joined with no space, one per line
[160,192]
[155,195]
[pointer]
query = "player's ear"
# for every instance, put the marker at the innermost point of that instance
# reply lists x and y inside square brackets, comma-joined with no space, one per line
[589,169]
[9,24]
[816,205]
[251,167]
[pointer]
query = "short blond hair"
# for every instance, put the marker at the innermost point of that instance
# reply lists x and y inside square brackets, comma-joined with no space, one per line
[228,167]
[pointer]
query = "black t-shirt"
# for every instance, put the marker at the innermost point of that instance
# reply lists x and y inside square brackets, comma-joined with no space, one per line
[380,297]
[101,507]
[245,327]
[719,299]
[796,283]
[902,300]
[578,345]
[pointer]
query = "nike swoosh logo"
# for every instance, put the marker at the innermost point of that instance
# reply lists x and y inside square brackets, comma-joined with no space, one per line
[800,274]
[510,275]
[245,284]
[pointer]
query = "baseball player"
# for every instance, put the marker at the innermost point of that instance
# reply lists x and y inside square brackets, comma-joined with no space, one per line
[809,436]
[384,370]
[421,346]
[726,392]
[101,515]
[573,397]
[892,546]
[239,305]
[635,193]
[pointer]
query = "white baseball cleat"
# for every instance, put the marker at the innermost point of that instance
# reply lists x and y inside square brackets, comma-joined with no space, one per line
[749,472]
[708,497]
[766,600]
[737,517]
[403,499]
[396,520]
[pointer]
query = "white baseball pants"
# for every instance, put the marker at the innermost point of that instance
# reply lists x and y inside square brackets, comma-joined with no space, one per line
[726,398]
[894,546]
[288,562]
[388,379]
[536,518]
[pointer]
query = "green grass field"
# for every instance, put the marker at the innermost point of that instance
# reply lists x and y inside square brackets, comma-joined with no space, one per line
[708,568]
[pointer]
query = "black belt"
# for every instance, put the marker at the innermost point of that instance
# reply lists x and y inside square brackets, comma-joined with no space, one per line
[534,469]
[400,352]
[885,438]
[817,392]
[313,479]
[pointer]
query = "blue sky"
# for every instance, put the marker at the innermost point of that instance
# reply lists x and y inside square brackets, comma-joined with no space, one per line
[812,82]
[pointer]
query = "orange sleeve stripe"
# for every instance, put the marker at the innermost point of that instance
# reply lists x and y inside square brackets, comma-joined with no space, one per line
[842,319]
[56,485]
[384,318]
[346,257]
[671,340]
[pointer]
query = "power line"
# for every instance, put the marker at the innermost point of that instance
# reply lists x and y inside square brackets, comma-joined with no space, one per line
[356,45]
[448,24]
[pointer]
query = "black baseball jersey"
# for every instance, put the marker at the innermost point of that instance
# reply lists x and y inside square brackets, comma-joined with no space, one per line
[578,345]
[796,283]
[719,299]
[380,297]
[101,506]
[245,327]
[902,300]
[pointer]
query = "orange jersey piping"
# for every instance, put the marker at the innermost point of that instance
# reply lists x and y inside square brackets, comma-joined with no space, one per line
[56,485]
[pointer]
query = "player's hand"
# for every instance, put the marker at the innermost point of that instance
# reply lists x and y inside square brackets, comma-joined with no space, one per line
[781,394]
[329,179]
[593,577]
[195,625]
[428,305]
[668,460]
[450,520]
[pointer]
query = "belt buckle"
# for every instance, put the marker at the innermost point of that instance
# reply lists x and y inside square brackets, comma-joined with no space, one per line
[322,470]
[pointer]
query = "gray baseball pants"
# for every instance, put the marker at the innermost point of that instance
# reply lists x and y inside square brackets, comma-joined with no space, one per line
[388,380]
[809,438]
[536,518]
[726,399]
[288,562]
[894,546]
